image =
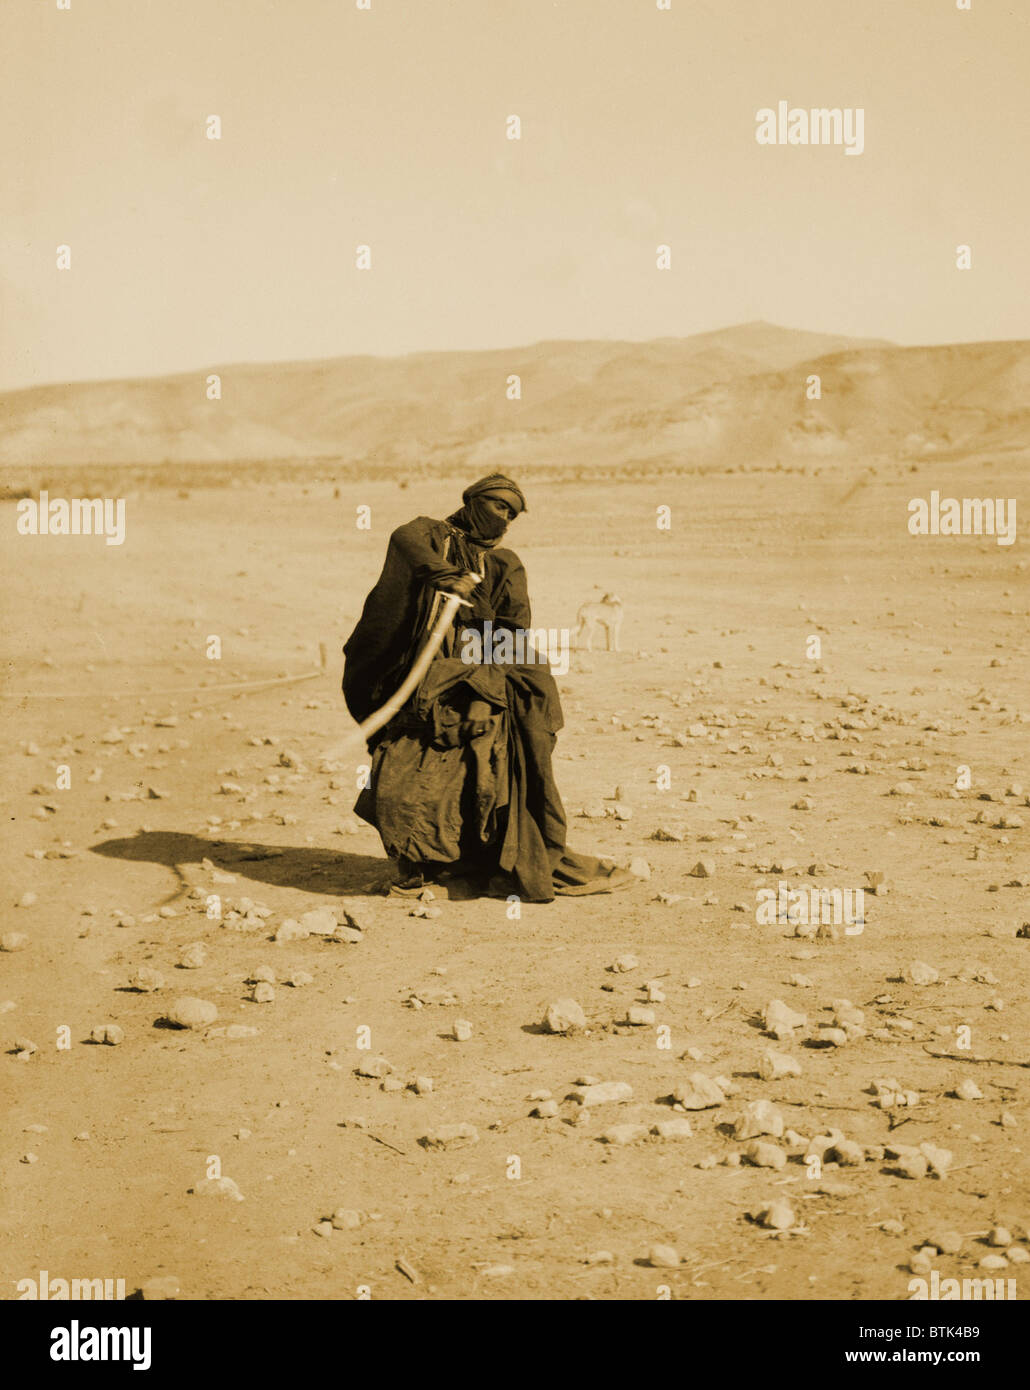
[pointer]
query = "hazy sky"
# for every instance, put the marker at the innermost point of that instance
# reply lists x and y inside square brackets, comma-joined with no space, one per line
[387,127]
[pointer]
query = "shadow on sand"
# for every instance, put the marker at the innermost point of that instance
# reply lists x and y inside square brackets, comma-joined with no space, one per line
[307,867]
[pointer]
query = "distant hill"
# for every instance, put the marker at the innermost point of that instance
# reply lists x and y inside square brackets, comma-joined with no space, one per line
[736,395]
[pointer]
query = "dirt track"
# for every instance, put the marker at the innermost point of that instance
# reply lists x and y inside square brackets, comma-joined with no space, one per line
[924,668]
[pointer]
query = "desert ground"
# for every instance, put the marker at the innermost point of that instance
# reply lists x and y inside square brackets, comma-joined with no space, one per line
[185,785]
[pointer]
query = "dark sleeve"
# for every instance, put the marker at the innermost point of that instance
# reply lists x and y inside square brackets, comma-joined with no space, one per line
[513,599]
[411,543]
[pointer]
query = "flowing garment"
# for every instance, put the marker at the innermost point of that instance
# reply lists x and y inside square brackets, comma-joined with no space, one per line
[462,774]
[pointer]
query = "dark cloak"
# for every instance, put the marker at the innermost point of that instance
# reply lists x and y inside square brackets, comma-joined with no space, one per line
[438,794]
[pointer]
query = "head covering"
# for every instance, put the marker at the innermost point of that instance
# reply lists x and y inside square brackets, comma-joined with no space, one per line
[483,526]
[497,485]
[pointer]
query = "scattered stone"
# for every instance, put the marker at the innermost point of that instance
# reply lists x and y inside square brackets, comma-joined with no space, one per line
[192,957]
[999,1236]
[322,1228]
[13,941]
[938,1159]
[994,1262]
[948,1242]
[375,1067]
[450,1136]
[564,1016]
[639,1017]
[704,868]
[188,1012]
[777,1216]
[624,1134]
[911,1165]
[698,1092]
[603,1093]
[217,1187]
[919,973]
[673,1129]
[546,1110]
[624,964]
[263,993]
[640,868]
[775,1065]
[461,1030]
[757,1118]
[109,1033]
[145,980]
[967,1089]
[345,1219]
[299,978]
[780,1020]
[847,1153]
[663,1257]
[761,1154]
[289,930]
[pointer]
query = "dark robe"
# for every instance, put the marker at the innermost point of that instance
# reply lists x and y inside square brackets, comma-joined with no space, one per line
[463,771]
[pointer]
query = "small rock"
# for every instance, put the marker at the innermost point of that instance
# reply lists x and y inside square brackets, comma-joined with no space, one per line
[192,957]
[948,1242]
[603,1093]
[564,1016]
[263,993]
[546,1110]
[994,1262]
[777,1216]
[780,1020]
[673,1129]
[375,1067]
[13,941]
[698,1092]
[461,1030]
[758,1117]
[761,1154]
[968,1090]
[919,973]
[639,1017]
[999,1236]
[704,868]
[847,1153]
[624,964]
[663,1257]
[217,1187]
[345,1219]
[450,1136]
[109,1033]
[188,1012]
[624,1134]
[775,1065]
[146,980]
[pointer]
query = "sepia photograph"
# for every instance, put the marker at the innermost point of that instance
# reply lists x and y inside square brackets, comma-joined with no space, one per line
[516,665]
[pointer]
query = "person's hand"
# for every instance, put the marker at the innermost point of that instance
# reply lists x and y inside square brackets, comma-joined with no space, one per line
[464,585]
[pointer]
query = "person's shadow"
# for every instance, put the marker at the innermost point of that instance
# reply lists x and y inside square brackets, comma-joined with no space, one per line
[312,869]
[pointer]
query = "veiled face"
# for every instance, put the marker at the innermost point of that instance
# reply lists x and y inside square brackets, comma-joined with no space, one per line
[499,507]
